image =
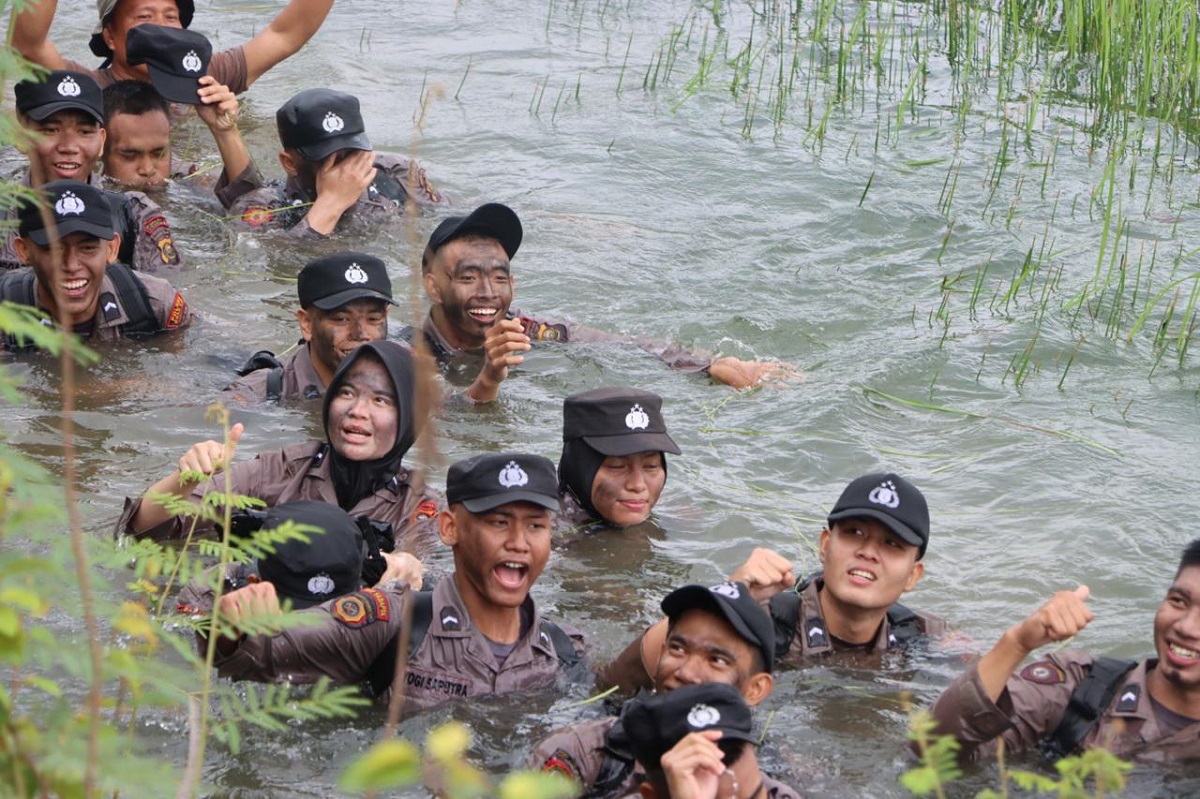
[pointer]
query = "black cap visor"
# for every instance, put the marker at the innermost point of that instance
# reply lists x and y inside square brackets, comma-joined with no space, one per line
[350,295]
[484,504]
[66,227]
[632,443]
[323,149]
[41,112]
[175,88]
[898,527]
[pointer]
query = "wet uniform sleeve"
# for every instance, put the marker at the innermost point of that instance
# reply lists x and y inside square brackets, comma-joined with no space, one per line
[265,209]
[673,355]
[419,533]
[228,192]
[247,480]
[575,752]
[342,640]
[1030,706]
[169,306]
[154,245]
[411,175]
[251,387]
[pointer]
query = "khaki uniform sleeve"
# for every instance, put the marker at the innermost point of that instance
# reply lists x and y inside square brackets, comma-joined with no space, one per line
[249,388]
[341,640]
[411,175]
[169,305]
[229,192]
[575,752]
[154,249]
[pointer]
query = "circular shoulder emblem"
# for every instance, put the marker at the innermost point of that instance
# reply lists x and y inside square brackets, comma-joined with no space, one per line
[1043,673]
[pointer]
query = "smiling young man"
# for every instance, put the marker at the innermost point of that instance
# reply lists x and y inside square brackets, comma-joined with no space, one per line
[236,68]
[65,112]
[477,633]
[714,635]
[469,284]
[344,299]
[614,460]
[1070,700]
[101,299]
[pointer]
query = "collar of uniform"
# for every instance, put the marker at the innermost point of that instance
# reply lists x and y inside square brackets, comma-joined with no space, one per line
[443,349]
[447,599]
[300,364]
[395,486]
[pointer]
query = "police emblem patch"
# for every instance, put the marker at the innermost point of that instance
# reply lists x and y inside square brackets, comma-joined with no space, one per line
[562,763]
[426,510]
[69,203]
[637,418]
[69,88]
[727,589]
[361,608]
[885,494]
[1043,673]
[513,476]
[356,274]
[332,123]
[702,716]
[191,62]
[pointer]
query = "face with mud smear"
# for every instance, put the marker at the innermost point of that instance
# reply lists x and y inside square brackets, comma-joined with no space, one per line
[498,554]
[470,286]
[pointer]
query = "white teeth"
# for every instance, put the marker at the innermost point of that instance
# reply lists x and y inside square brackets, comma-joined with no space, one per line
[1191,654]
[73,285]
[863,574]
[512,565]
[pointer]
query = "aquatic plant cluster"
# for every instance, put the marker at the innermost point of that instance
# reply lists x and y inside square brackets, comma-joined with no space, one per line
[1115,81]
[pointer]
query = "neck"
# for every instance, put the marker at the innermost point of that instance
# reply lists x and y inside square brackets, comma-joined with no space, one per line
[501,624]
[322,371]
[453,337]
[852,625]
[749,776]
[1173,697]
[121,71]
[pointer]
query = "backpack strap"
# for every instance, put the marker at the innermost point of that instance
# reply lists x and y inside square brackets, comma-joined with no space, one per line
[124,222]
[142,321]
[903,625]
[785,613]
[383,669]
[16,286]
[563,647]
[265,359]
[616,764]
[1091,696]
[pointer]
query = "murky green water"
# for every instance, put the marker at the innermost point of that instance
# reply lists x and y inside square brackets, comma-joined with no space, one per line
[650,213]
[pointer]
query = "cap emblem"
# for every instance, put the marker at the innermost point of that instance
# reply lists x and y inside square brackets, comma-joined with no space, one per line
[69,204]
[513,475]
[637,419]
[701,716]
[69,88]
[727,590]
[321,584]
[332,123]
[356,274]
[191,62]
[885,494]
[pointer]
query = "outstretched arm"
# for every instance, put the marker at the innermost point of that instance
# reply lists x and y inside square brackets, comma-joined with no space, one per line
[286,34]
[30,32]
[218,109]
[206,457]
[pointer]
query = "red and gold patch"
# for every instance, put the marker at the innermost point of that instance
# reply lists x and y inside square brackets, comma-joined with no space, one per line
[177,313]
[257,215]
[562,763]
[361,608]
[1043,673]
[426,510]
[154,224]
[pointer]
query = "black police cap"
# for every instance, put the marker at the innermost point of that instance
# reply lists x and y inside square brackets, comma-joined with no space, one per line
[889,499]
[484,482]
[734,603]
[492,220]
[176,58]
[656,723]
[75,207]
[333,280]
[327,566]
[318,122]
[617,420]
[60,90]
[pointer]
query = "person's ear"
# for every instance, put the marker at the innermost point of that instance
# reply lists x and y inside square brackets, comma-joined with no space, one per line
[114,248]
[21,247]
[432,290]
[914,576]
[107,35]
[305,320]
[288,162]
[758,688]
[823,545]
[448,528]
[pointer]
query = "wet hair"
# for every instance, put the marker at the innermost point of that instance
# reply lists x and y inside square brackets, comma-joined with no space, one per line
[135,98]
[732,750]
[1190,557]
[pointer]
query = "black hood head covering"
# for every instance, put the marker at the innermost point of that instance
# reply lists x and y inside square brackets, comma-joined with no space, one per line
[355,480]
[577,472]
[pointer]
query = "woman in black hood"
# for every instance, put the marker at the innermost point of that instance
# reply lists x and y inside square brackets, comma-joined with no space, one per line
[613,465]
[372,416]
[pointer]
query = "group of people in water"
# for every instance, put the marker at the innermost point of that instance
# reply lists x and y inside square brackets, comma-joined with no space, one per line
[95,257]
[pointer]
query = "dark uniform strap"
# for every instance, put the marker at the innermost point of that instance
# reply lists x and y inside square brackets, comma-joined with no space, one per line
[903,625]
[142,321]
[785,612]
[388,186]
[124,222]
[17,286]
[615,766]
[383,670]
[563,647]
[1089,699]
[265,359]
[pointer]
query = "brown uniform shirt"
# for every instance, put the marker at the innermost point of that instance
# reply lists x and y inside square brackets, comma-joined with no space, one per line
[299,380]
[227,66]
[1033,703]
[301,471]
[140,217]
[285,206]
[453,661]
[168,307]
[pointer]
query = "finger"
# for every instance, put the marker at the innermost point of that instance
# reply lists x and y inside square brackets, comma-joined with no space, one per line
[235,435]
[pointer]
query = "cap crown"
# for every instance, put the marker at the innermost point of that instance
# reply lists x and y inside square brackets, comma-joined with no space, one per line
[328,565]
[315,116]
[74,206]
[890,499]
[488,481]
[61,89]
[333,280]
[656,723]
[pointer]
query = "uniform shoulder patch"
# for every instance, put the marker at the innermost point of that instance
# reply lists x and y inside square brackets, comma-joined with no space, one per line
[426,510]
[562,763]
[1043,672]
[177,313]
[361,608]
[544,331]
[257,215]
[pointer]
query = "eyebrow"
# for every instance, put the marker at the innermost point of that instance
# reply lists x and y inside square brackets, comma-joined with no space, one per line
[463,266]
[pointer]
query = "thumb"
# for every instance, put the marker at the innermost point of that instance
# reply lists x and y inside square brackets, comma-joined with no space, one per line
[235,435]
[1083,592]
